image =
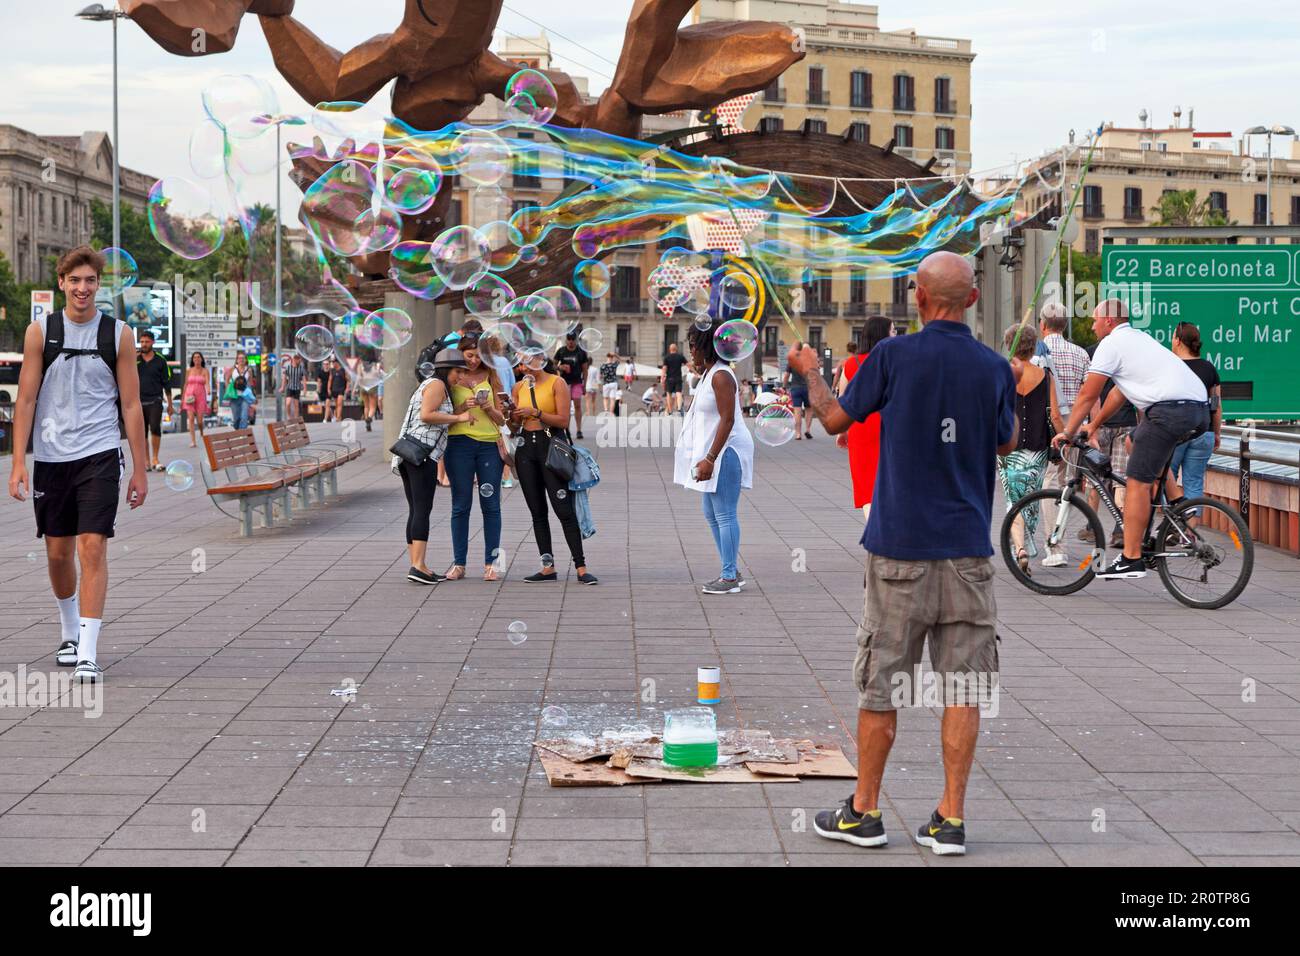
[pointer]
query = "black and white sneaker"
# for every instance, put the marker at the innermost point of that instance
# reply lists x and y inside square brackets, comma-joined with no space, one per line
[844,823]
[1123,569]
[720,586]
[424,577]
[943,837]
[66,655]
[88,672]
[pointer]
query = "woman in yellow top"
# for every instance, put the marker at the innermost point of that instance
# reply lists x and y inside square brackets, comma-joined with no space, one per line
[472,452]
[541,402]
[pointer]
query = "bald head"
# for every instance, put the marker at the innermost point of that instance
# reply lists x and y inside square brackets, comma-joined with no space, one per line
[945,287]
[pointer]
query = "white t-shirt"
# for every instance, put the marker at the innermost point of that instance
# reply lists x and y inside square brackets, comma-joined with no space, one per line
[76,408]
[1144,370]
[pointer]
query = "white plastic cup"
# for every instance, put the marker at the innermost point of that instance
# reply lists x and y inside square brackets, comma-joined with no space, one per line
[709,683]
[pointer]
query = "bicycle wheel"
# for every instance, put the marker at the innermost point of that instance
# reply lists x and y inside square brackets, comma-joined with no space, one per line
[1062,558]
[1207,566]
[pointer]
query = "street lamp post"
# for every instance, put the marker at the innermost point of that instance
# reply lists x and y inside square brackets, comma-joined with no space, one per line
[266,119]
[1269,132]
[96,12]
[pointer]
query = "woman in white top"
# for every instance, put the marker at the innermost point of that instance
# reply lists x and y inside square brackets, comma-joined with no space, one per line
[427,418]
[715,453]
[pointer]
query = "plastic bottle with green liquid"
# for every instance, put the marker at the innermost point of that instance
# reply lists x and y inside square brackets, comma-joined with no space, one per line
[690,737]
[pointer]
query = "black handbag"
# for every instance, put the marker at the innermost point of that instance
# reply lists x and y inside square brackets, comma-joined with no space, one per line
[560,456]
[414,453]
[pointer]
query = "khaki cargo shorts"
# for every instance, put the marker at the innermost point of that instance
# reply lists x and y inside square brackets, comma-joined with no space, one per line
[952,602]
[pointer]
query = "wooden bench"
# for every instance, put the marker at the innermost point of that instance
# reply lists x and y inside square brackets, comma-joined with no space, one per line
[237,472]
[291,444]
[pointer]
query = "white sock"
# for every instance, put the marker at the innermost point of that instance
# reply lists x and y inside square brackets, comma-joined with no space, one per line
[69,616]
[89,639]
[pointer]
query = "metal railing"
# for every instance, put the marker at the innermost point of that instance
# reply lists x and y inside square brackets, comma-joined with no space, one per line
[945,107]
[818,98]
[1246,435]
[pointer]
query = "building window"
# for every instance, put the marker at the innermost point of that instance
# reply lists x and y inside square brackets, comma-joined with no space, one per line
[818,297]
[945,138]
[1219,202]
[66,218]
[860,132]
[1261,209]
[22,204]
[527,175]
[903,136]
[1092,208]
[1090,243]
[816,126]
[817,95]
[40,208]
[943,101]
[904,93]
[815,338]
[623,341]
[625,289]
[858,294]
[860,89]
[771,124]
[54,212]
[1295,210]
[773,92]
[770,342]
[1133,203]
[670,337]
[900,291]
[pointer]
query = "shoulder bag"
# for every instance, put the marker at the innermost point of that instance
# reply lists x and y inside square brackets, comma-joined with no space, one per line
[560,456]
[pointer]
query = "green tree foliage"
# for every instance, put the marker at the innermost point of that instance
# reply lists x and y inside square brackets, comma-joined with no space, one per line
[1181,207]
[152,258]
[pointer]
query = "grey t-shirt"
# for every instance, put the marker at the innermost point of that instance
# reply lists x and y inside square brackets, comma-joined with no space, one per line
[76,410]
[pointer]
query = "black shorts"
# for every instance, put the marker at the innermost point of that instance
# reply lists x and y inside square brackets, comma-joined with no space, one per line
[152,417]
[293,393]
[1163,427]
[78,497]
[673,386]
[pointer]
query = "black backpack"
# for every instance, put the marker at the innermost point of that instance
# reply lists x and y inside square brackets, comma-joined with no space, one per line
[105,348]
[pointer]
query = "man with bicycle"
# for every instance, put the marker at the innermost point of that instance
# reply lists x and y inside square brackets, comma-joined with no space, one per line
[1174,408]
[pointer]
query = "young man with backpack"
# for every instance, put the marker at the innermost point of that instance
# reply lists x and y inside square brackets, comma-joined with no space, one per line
[77,387]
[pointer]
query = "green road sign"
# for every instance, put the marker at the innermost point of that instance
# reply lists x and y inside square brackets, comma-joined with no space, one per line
[1244,299]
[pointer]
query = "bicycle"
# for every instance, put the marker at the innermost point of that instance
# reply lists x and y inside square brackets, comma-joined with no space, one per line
[1195,536]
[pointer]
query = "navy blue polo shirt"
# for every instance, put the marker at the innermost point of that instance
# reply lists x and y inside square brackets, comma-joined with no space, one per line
[946,403]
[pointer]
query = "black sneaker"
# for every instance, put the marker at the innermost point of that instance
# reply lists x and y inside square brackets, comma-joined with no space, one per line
[579,435]
[1123,569]
[943,837]
[722,586]
[424,577]
[539,577]
[844,823]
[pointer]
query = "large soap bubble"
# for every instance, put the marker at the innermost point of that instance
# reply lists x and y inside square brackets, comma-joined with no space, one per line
[458,255]
[412,269]
[774,425]
[504,240]
[315,343]
[387,328]
[487,296]
[591,278]
[735,340]
[567,309]
[120,270]
[234,102]
[530,98]
[531,311]
[182,218]
[482,156]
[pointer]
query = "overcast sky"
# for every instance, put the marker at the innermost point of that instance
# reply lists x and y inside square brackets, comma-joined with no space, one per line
[1041,69]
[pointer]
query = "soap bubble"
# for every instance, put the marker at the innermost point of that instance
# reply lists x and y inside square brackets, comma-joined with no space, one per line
[530,98]
[340,208]
[182,218]
[555,716]
[737,291]
[412,269]
[486,491]
[426,370]
[589,340]
[120,270]
[566,308]
[386,328]
[234,102]
[314,343]
[591,278]
[528,253]
[533,312]
[561,494]
[489,204]
[458,255]
[504,240]
[208,150]
[517,632]
[533,358]
[31,557]
[774,425]
[349,120]
[703,323]
[481,156]
[548,561]
[735,340]
[488,295]
[179,475]
[506,336]
[412,190]
[372,368]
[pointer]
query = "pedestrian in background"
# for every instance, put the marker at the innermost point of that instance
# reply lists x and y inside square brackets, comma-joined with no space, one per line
[1191,458]
[863,438]
[195,397]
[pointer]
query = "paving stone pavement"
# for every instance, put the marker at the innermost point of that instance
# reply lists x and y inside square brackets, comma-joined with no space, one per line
[219,742]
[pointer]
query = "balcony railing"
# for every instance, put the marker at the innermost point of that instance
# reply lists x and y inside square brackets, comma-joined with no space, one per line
[818,97]
[855,309]
[1261,217]
[628,306]
[860,102]
[774,96]
[819,307]
[904,104]
[1133,214]
[945,107]
[525,181]
[1094,211]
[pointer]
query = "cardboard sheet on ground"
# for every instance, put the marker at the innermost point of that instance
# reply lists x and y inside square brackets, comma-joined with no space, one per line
[744,757]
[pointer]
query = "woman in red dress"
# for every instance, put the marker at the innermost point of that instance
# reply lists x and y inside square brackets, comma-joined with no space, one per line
[863,438]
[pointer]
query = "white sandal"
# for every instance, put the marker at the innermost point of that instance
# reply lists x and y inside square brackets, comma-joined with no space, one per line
[88,672]
[66,655]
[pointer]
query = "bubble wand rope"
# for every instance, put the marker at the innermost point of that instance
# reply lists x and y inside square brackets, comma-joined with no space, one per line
[1056,249]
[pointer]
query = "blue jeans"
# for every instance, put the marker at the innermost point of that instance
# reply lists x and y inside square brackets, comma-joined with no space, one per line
[720,512]
[239,413]
[466,457]
[1190,458]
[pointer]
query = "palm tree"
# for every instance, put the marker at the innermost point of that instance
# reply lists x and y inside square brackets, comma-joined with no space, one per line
[1182,208]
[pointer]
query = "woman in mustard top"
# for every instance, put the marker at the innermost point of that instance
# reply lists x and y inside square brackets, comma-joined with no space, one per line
[472,452]
[533,413]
